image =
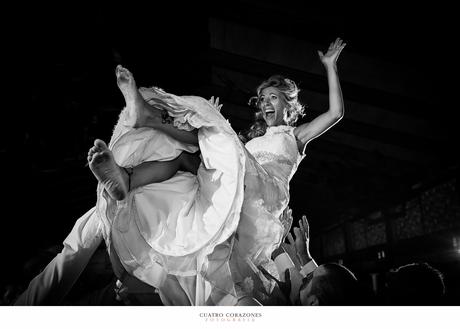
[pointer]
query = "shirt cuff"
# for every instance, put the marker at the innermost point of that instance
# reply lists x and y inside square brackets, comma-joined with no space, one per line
[283,262]
[308,268]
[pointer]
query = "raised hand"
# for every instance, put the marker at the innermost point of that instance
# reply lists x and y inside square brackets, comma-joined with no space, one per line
[291,250]
[286,219]
[302,240]
[333,52]
[215,103]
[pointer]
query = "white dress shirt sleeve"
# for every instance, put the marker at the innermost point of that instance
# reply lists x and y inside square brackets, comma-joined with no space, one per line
[55,281]
[308,268]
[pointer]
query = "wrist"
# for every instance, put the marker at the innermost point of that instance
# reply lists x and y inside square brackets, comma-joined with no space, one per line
[330,65]
[304,258]
[277,252]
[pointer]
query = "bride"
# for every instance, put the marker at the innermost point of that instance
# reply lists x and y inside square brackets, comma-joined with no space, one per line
[186,207]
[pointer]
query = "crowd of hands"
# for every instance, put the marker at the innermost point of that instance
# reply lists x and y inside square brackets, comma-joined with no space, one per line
[287,286]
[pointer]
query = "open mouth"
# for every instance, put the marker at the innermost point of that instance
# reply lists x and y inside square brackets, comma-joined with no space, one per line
[269,113]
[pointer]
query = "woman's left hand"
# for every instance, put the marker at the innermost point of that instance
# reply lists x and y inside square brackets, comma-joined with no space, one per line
[215,103]
[333,52]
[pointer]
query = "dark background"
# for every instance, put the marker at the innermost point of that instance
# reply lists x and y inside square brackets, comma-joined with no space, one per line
[385,179]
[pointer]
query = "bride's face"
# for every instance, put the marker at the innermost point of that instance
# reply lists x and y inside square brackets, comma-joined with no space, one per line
[272,105]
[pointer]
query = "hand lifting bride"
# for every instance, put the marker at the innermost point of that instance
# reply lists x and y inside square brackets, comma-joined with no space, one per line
[183,205]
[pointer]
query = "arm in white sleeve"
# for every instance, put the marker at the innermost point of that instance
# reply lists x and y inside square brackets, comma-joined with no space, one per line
[55,281]
[283,262]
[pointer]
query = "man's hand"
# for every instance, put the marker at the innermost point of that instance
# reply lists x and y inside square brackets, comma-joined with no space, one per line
[302,241]
[286,219]
[290,249]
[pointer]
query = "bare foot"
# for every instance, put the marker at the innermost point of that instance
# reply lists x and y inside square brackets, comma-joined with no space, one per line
[134,101]
[108,173]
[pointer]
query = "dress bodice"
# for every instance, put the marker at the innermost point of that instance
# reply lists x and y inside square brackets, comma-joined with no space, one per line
[277,152]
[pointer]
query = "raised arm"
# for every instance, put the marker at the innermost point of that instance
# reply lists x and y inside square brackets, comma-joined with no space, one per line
[308,131]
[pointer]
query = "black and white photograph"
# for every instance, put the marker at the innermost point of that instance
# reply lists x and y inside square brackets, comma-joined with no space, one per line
[230,154]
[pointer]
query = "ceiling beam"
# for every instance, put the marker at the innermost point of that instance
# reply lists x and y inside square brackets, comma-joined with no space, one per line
[299,55]
[318,83]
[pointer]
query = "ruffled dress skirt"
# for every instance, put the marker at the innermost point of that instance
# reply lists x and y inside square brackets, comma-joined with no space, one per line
[210,231]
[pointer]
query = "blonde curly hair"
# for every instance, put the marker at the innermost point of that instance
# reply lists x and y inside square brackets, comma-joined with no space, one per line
[293,111]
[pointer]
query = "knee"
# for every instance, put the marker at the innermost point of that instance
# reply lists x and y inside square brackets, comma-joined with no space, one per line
[189,162]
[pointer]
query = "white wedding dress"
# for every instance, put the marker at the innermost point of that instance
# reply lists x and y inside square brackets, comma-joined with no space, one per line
[209,231]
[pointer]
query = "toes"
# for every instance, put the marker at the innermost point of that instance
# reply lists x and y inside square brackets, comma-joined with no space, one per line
[98,158]
[121,72]
[92,151]
[100,144]
[118,70]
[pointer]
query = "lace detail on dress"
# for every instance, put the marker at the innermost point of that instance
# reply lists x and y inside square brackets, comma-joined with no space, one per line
[280,129]
[264,157]
[277,151]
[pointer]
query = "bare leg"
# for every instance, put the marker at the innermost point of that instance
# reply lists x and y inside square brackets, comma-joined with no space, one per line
[159,171]
[142,114]
[116,180]
[139,110]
